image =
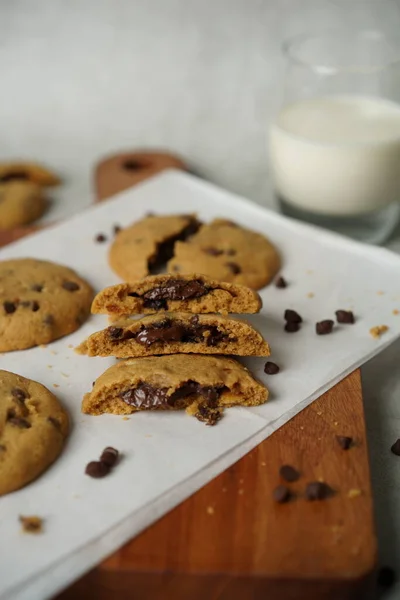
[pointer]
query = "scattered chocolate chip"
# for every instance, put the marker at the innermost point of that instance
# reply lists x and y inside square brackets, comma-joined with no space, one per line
[208,415]
[2,448]
[292,327]
[396,447]
[48,320]
[117,229]
[55,422]
[271,368]
[14,176]
[109,456]
[19,394]
[70,286]
[35,306]
[9,307]
[234,267]
[280,282]
[291,316]
[100,238]
[97,469]
[115,333]
[213,251]
[37,287]
[289,473]
[281,494]
[19,422]
[344,441]
[344,316]
[324,327]
[318,490]
[386,577]
[132,165]
[31,524]
[231,252]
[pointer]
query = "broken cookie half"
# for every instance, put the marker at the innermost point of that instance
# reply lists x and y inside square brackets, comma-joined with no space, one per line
[193,293]
[174,333]
[203,385]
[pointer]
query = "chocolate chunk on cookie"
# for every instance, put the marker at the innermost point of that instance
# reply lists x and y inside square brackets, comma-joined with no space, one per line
[21,202]
[185,293]
[148,244]
[226,251]
[173,382]
[40,302]
[173,333]
[33,428]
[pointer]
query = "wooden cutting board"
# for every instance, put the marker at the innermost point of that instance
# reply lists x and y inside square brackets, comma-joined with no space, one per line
[230,540]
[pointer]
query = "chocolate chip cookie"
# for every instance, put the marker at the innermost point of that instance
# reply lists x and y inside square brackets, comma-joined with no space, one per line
[148,244]
[40,302]
[185,293]
[33,428]
[27,171]
[226,251]
[174,333]
[21,202]
[204,385]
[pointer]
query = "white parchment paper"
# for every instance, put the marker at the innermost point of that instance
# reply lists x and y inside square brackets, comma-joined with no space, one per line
[167,456]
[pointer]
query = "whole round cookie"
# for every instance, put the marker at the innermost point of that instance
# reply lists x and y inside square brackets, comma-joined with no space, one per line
[147,244]
[21,202]
[40,301]
[226,251]
[33,428]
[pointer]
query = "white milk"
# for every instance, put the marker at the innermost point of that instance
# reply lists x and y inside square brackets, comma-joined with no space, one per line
[337,155]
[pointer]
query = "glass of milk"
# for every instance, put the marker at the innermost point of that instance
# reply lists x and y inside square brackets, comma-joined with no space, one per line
[334,146]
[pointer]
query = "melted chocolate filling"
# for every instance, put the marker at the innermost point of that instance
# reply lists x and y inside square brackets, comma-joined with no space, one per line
[165,250]
[146,396]
[175,289]
[170,331]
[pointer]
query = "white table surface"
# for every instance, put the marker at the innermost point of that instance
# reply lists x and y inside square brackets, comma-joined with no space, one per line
[202,78]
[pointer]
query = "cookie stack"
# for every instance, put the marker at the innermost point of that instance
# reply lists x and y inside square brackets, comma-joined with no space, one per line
[175,351]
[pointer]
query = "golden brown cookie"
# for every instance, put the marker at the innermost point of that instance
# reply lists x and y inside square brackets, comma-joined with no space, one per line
[148,244]
[40,302]
[27,171]
[33,428]
[226,251]
[202,384]
[21,202]
[184,293]
[174,333]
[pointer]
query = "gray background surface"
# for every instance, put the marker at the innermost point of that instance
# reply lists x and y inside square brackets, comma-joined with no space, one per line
[202,78]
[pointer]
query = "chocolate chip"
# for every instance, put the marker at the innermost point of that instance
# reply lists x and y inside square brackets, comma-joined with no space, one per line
[271,368]
[231,252]
[280,282]
[14,176]
[213,251]
[35,306]
[208,415]
[281,494]
[194,320]
[175,289]
[19,394]
[9,307]
[97,469]
[234,267]
[117,229]
[115,333]
[396,447]
[289,473]
[386,577]
[344,316]
[291,316]
[48,320]
[318,490]
[2,448]
[344,441]
[145,396]
[292,327]
[55,422]
[109,456]
[70,286]
[37,287]
[100,238]
[19,422]
[324,327]
[132,165]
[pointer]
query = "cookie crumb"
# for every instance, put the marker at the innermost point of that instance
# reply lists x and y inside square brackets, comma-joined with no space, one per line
[241,492]
[378,330]
[310,295]
[380,293]
[210,510]
[125,418]
[354,493]
[31,524]
[55,385]
[395,311]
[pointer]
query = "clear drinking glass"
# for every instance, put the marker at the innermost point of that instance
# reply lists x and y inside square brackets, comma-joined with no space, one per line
[334,146]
